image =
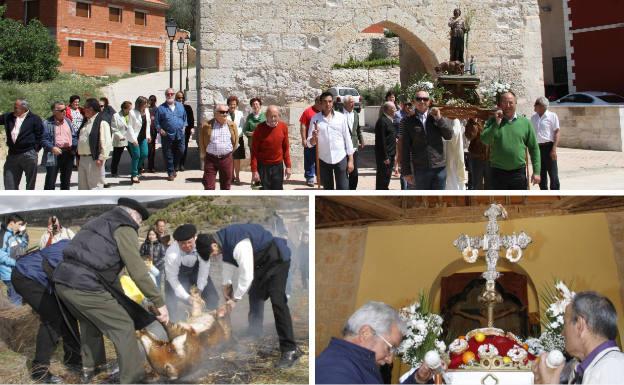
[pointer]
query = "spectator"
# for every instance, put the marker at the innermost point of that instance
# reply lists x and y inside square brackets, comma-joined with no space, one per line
[353,122]
[238,118]
[120,126]
[170,122]
[153,249]
[59,141]
[190,126]
[151,146]
[14,244]
[94,145]
[271,151]
[55,233]
[331,133]
[309,152]
[509,137]
[385,146]
[138,136]
[217,140]
[24,131]
[74,112]
[547,130]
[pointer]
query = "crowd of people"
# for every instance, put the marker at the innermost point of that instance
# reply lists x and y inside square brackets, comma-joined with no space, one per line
[80,284]
[413,142]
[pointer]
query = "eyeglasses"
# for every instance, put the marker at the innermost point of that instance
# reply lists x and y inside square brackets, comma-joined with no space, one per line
[102,106]
[222,112]
[179,98]
[419,99]
[59,110]
[170,93]
[391,348]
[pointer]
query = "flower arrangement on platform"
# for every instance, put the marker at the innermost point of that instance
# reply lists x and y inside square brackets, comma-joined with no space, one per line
[423,82]
[491,93]
[423,330]
[555,301]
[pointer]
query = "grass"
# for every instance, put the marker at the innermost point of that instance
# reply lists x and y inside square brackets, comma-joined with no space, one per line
[374,63]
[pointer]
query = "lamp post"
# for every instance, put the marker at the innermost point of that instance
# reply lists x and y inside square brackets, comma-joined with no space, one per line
[181,43]
[171,28]
[188,44]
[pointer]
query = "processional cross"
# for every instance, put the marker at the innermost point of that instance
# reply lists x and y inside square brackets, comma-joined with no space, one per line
[492,242]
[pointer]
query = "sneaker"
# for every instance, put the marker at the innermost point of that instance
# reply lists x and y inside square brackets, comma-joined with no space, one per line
[289,358]
[310,183]
[170,178]
[182,168]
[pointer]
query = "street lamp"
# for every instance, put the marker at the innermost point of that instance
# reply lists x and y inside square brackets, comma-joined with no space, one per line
[171,28]
[181,43]
[188,44]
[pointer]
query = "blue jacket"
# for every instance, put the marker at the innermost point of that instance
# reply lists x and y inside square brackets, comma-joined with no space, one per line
[31,265]
[6,260]
[343,362]
[47,142]
[173,122]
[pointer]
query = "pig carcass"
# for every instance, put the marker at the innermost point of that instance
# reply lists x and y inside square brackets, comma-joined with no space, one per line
[187,341]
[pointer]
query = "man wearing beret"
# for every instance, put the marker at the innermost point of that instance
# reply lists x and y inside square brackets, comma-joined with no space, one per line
[87,281]
[259,262]
[185,268]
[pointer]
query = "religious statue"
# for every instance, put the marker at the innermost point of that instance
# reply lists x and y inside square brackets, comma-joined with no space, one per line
[458,30]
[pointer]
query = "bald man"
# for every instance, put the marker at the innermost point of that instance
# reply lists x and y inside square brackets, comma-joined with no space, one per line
[270,151]
[218,138]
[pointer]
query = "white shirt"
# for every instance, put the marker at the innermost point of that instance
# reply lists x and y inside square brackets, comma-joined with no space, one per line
[18,126]
[174,257]
[334,139]
[239,119]
[243,255]
[172,106]
[65,233]
[135,123]
[606,368]
[545,126]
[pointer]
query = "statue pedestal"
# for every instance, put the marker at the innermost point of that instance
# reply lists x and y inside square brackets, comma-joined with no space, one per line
[458,85]
[471,377]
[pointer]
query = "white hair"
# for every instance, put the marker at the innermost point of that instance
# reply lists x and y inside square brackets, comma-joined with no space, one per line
[348,98]
[543,101]
[378,315]
[388,105]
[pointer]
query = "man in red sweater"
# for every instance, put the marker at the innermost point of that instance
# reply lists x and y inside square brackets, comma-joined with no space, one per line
[270,151]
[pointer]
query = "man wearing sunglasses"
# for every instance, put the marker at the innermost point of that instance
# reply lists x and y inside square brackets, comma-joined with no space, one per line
[422,155]
[371,338]
[59,140]
[218,138]
[170,121]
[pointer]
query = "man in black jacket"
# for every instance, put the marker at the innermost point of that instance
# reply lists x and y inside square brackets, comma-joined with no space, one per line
[385,146]
[23,137]
[422,156]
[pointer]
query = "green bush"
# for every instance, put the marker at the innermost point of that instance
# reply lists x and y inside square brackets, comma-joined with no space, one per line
[27,52]
[368,63]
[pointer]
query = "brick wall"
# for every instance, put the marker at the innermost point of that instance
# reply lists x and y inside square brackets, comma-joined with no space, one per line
[119,36]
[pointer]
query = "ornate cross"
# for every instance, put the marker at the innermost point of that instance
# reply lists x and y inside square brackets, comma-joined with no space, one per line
[491,242]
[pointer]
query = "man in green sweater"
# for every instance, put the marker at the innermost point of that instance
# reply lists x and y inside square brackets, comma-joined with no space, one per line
[509,136]
[87,281]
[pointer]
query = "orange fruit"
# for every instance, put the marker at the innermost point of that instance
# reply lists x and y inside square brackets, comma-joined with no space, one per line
[479,337]
[468,357]
[462,337]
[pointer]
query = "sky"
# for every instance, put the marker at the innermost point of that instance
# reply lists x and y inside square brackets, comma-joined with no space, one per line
[9,204]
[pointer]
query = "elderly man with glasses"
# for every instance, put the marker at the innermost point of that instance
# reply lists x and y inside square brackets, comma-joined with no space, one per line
[371,338]
[60,140]
[170,122]
[422,155]
[218,138]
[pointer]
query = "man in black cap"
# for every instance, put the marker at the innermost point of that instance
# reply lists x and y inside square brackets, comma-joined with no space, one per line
[183,269]
[259,262]
[87,281]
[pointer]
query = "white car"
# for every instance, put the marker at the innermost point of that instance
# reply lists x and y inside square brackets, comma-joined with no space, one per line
[594,98]
[343,92]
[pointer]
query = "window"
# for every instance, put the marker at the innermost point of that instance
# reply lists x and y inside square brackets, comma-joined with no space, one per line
[83,9]
[560,70]
[101,50]
[114,14]
[31,10]
[140,18]
[75,48]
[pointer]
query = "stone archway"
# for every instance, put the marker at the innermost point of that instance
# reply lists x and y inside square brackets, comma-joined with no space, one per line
[283,52]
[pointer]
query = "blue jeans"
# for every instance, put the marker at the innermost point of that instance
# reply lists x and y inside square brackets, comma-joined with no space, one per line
[15,298]
[138,155]
[430,179]
[309,163]
[173,149]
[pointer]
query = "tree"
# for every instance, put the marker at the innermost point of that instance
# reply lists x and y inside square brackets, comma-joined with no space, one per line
[183,12]
[28,53]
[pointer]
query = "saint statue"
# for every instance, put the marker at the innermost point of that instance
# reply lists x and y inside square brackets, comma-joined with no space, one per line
[458,30]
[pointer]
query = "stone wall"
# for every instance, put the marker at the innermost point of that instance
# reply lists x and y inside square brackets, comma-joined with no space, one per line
[340,252]
[362,78]
[284,53]
[591,127]
[365,46]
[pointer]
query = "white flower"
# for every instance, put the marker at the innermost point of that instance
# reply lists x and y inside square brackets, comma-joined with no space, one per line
[560,319]
[554,325]
[421,326]
[440,346]
[557,308]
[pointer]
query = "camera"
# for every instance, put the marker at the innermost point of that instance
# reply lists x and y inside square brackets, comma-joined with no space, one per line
[55,226]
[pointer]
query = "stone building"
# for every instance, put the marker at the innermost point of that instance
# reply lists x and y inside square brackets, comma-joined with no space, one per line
[99,37]
[284,53]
